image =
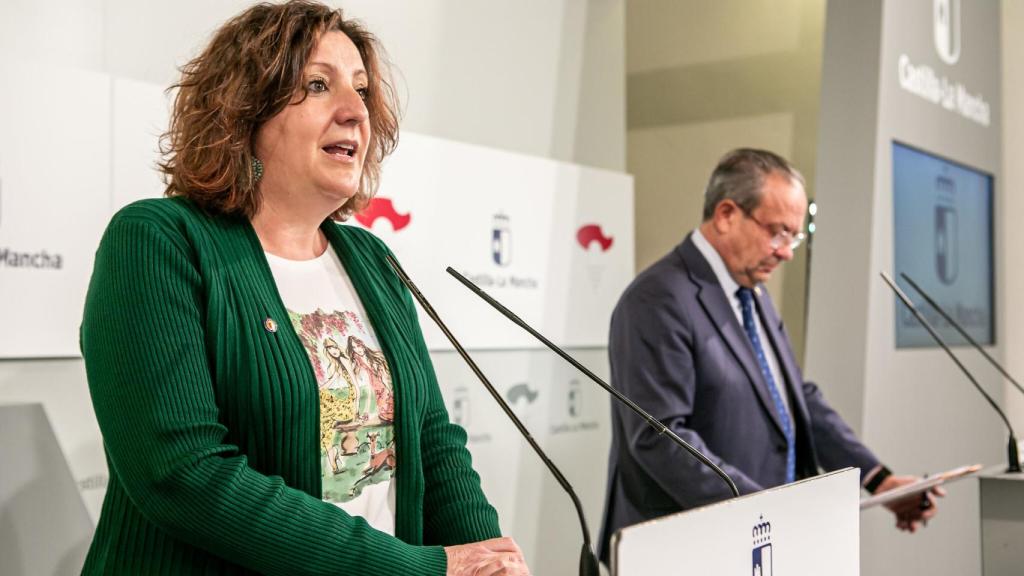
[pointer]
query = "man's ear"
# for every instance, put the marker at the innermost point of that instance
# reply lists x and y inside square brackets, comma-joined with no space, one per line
[725,215]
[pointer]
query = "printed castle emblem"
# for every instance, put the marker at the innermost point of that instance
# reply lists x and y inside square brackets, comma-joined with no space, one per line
[762,555]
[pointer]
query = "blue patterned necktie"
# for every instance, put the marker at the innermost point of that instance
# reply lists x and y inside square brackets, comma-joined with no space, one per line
[746,296]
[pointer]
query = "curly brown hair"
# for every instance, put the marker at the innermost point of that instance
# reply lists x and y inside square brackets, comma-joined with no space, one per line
[250,71]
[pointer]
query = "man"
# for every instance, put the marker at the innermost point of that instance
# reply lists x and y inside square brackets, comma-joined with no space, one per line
[696,341]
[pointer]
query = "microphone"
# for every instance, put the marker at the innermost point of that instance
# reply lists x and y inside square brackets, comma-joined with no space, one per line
[1011,448]
[653,422]
[961,330]
[588,561]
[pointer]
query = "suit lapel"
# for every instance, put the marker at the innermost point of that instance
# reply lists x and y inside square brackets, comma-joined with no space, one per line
[718,308]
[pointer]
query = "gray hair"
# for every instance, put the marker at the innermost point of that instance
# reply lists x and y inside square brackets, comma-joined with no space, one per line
[739,176]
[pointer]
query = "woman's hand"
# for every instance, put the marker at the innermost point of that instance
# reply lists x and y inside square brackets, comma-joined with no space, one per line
[498,556]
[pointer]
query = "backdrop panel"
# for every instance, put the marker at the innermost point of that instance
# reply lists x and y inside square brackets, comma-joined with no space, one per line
[550,240]
[54,203]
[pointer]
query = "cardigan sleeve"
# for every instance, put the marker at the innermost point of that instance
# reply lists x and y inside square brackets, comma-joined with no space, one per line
[143,343]
[455,509]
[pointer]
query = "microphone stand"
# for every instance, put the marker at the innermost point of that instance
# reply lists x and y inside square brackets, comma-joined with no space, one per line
[651,420]
[961,330]
[1011,448]
[588,561]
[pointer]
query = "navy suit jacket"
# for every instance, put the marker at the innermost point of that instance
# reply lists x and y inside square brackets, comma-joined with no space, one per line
[677,350]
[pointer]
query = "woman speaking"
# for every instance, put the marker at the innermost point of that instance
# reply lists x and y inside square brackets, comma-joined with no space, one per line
[240,437]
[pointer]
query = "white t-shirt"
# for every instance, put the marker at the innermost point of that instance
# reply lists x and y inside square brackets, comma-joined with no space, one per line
[357,402]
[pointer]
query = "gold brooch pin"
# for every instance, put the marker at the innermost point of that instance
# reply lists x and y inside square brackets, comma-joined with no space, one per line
[270,325]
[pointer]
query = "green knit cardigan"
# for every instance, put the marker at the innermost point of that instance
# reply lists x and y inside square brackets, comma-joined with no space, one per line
[210,418]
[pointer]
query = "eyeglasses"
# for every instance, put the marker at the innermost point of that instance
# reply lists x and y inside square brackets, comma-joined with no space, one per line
[781,238]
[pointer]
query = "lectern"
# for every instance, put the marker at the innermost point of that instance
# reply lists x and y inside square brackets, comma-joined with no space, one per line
[1002,523]
[807,528]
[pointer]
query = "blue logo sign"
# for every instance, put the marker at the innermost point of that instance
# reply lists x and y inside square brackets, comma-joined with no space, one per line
[501,241]
[762,555]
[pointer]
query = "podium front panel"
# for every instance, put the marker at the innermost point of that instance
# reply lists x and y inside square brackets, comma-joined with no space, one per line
[811,527]
[1002,524]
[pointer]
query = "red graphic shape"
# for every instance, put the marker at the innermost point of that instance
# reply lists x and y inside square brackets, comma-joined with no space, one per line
[383,208]
[590,233]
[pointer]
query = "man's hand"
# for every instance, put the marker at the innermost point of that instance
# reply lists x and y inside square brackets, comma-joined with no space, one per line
[912,512]
[498,556]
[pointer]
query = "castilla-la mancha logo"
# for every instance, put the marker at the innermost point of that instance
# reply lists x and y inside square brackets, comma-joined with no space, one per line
[946,18]
[589,234]
[33,259]
[762,555]
[460,406]
[947,249]
[501,240]
[383,208]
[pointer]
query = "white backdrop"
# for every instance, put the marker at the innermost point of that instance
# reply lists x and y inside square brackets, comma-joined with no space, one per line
[54,202]
[552,240]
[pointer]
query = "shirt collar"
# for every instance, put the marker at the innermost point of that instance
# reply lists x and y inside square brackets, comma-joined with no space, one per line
[725,280]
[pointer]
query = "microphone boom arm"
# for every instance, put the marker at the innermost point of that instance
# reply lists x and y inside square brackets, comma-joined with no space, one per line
[588,561]
[651,420]
[1011,449]
[961,330]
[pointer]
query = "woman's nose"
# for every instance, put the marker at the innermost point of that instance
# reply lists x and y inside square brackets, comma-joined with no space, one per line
[351,108]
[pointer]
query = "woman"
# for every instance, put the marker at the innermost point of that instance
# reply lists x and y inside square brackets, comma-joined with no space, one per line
[205,392]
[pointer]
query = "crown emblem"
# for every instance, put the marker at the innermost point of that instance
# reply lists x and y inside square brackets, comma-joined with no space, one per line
[762,532]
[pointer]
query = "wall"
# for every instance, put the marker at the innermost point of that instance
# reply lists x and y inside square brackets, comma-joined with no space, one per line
[912,406]
[668,160]
[531,76]
[1012,202]
[706,77]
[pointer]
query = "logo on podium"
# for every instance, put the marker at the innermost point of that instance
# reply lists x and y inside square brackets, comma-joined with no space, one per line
[762,555]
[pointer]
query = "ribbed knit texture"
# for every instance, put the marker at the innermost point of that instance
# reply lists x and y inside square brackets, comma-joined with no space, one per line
[211,421]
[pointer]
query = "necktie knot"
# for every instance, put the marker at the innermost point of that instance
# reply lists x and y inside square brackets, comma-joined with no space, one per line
[746,296]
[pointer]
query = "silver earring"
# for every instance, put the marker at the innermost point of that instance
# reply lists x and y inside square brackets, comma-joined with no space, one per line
[257,169]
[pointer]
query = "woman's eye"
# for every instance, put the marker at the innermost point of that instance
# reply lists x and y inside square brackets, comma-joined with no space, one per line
[317,85]
[363,92]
